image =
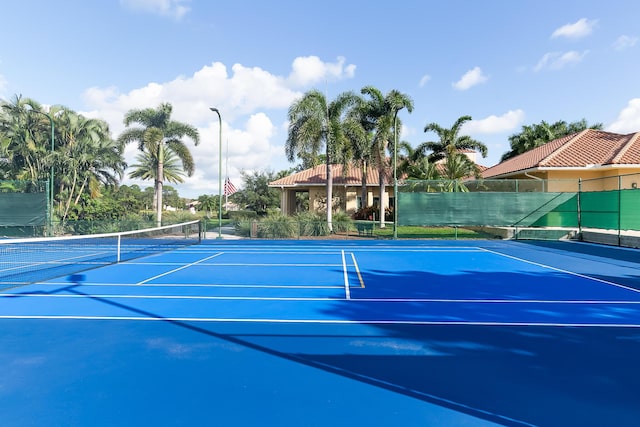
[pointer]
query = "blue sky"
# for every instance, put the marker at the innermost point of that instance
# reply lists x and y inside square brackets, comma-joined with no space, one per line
[504,63]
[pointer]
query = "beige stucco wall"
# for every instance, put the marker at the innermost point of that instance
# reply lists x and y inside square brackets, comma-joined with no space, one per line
[344,198]
[596,179]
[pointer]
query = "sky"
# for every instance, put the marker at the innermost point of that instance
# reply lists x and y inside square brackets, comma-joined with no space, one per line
[506,64]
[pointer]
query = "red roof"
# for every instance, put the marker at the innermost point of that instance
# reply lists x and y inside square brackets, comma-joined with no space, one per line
[585,149]
[318,176]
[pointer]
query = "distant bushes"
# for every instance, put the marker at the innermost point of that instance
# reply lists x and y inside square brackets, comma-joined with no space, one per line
[279,226]
[372,213]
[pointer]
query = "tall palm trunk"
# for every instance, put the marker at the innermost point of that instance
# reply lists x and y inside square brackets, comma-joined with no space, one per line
[159,185]
[363,190]
[382,193]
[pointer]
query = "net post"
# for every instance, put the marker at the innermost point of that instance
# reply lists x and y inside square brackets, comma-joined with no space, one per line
[118,249]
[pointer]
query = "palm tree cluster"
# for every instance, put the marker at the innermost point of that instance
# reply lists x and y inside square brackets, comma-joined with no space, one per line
[532,136]
[83,156]
[363,130]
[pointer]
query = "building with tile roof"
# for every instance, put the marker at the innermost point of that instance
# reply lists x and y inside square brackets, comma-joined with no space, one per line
[347,187]
[590,154]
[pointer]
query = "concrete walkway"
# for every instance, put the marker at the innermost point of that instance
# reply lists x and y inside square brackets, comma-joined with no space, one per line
[228,233]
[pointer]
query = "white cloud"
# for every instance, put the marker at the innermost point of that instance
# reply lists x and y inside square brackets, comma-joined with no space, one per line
[252,103]
[577,30]
[625,42]
[628,120]
[470,78]
[559,60]
[172,8]
[424,80]
[494,124]
[309,70]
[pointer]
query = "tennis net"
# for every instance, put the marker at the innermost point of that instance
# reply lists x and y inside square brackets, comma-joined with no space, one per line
[26,261]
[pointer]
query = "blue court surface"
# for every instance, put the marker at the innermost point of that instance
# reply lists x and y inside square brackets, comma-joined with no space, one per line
[330,333]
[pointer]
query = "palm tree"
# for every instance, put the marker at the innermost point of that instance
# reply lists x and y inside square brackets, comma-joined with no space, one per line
[315,123]
[86,157]
[532,136]
[160,134]
[449,141]
[359,135]
[147,167]
[413,166]
[382,120]
[26,139]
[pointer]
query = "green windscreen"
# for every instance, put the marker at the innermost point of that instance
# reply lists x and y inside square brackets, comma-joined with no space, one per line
[548,209]
[615,209]
[23,209]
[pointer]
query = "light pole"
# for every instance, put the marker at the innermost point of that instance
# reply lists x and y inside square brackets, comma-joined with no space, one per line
[395,175]
[215,110]
[50,195]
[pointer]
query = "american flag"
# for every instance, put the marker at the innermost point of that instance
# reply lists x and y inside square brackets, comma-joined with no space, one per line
[229,188]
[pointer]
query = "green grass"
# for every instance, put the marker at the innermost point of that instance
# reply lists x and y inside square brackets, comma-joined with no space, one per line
[413,232]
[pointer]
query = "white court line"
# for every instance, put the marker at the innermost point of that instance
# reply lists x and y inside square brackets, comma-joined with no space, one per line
[373,300]
[347,291]
[320,321]
[172,297]
[355,264]
[194,285]
[573,273]
[332,249]
[240,264]
[180,268]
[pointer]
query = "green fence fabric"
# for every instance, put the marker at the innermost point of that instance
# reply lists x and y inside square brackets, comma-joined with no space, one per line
[525,209]
[611,210]
[23,209]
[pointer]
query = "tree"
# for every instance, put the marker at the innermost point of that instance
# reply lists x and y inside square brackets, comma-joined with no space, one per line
[208,204]
[532,136]
[256,194]
[381,119]
[147,167]
[449,141]
[26,140]
[171,197]
[315,123]
[160,134]
[86,158]
[413,166]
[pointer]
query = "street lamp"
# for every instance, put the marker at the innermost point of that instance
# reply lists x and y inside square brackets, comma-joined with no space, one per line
[215,110]
[50,195]
[395,175]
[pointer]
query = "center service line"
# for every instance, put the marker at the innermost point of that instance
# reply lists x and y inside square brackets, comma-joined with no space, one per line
[347,291]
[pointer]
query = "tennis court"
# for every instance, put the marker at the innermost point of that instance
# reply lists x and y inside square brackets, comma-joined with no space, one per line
[318,333]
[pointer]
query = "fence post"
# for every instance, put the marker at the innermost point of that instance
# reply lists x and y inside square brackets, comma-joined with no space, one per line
[619,209]
[579,206]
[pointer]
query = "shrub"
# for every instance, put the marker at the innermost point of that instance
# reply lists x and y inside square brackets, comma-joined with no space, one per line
[371,213]
[341,222]
[277,227]
[312,224]
[240,215]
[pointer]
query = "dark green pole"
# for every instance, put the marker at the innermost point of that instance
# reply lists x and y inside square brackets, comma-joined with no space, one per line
[50,193]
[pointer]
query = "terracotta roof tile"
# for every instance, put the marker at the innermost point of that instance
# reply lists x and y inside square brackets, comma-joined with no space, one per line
[318,176]
[589,147]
